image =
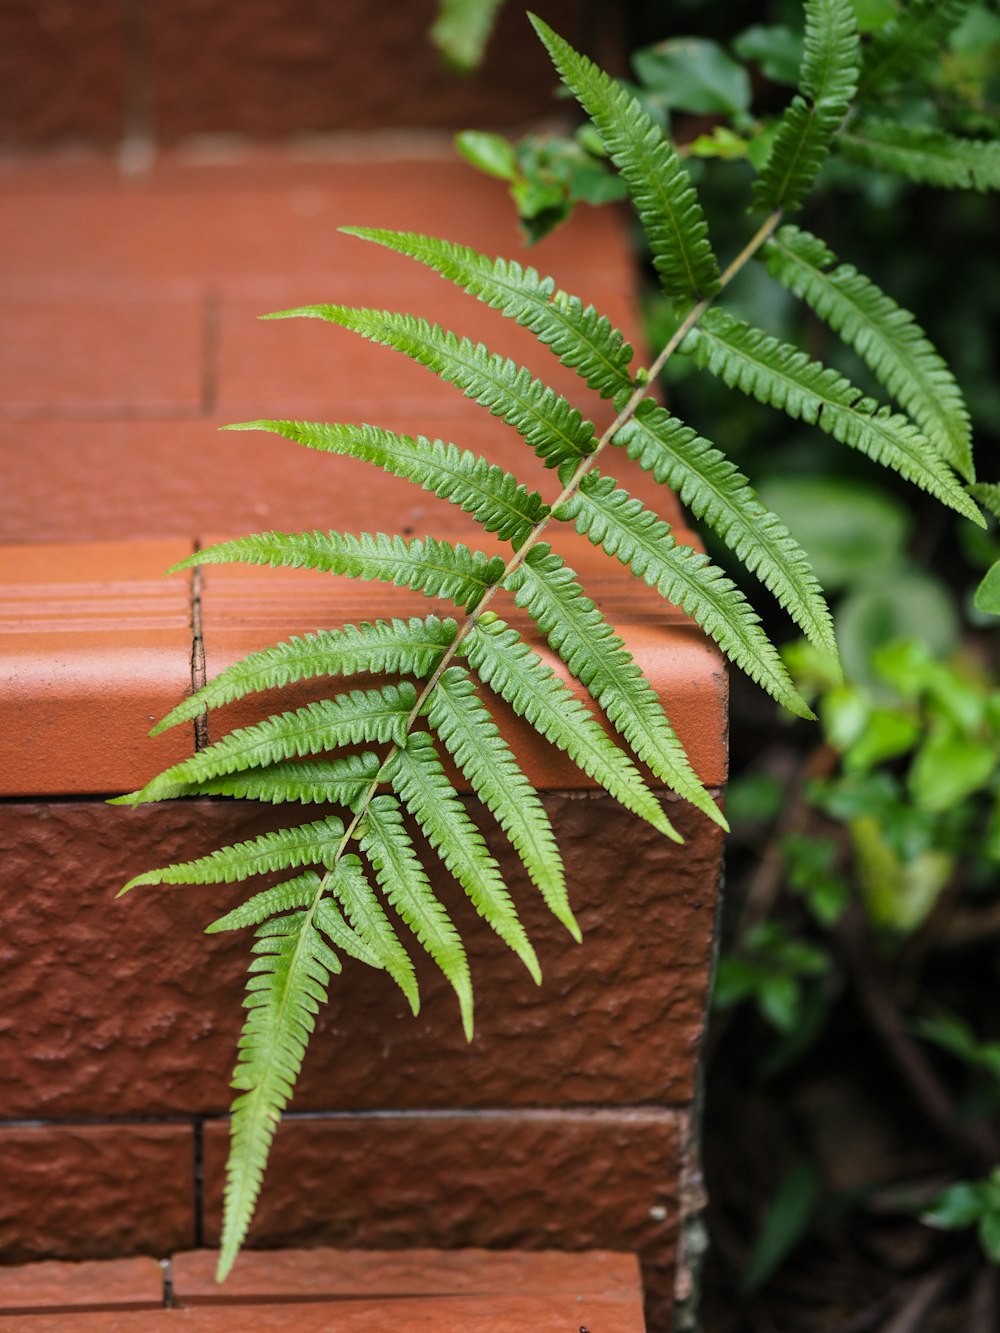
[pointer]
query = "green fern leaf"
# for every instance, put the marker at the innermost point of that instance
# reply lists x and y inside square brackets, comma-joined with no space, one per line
[462,29]
[435,568]
[927,156]
[548,591]
[348,719]
[400,647]
[885,336]
[657,182]
[403,880]
[827,82]
[299,892]
[988,495]
[783,377]
[911,39]
[418,778]
[321,781]
[288,983]
[492,496]
[350,886]
[555,430]
[317,843]
[505,663]
[712,488]
[464,724]
[643,542]
[579,336]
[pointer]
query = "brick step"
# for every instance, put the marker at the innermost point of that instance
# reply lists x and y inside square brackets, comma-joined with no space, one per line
[340,1291]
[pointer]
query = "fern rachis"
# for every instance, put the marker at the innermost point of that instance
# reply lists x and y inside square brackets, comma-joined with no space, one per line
[430,703]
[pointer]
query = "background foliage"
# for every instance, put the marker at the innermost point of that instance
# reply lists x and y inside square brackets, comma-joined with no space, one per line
[853,1080]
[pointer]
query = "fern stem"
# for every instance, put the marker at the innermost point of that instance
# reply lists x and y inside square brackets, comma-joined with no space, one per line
[760,236]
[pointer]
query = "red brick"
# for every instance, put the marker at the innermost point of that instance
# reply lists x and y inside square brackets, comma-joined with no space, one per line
[95,1191]
[62,71]
[411,1272]
[95,644]
[275,69]
[119,1008]
[601,1180]
[121,1283]
[109,354]
[485,1314]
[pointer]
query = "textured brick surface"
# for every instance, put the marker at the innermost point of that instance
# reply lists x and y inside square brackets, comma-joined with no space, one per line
[62,71]
[485,1314]
[123,1008]
[411,1272]
[604,1180]
[51,1285]
[95,1191]
[271,67]
[94,644]
[101,353]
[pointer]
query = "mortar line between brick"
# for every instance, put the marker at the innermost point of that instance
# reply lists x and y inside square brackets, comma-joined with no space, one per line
[198,672]
[199,1183]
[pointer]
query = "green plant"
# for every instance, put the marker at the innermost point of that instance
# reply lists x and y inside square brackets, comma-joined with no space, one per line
[430,698]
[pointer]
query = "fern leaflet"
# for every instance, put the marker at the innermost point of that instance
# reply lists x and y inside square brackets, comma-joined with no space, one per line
[579,336]
[288,983]
[783,377]
[492,496]
[464,724]
[340,781]
[657,182]
[403,647]
[435,568]
[403,880]
[885,336]
[548,590]
[712,488]
[643,542]
[285,897]
[518,675]
[350,886]
[827,82]
[927,156]
[554,429]
[909,40]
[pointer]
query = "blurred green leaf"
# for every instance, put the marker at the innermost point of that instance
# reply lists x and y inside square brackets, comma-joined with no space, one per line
[754,798]
[849,530]
[907,605]
[874,14]
[987,597]
[777,50]
[694,74]
[462,29]
[958,1206]
[954,1035]
[899,893]
[491,153]
[785,1223]
[810,864]
[949,767]
[887,735]
[844,712]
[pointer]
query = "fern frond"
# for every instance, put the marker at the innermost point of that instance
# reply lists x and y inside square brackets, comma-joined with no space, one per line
[657,182]
[555,430]
[547,589]
[779,375]
[505,663]
[287,985]
[349,885]
[927,156]
[361,716]
[643,542]
[718,494]
[580,336]
[400,647]
[435,568]
[302,845]
[418,778]
[386,843]
[827,82]
[492,496]
[912,38]
[988,495]
[885,336]
[337,781]
[286,897]
[465,725]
